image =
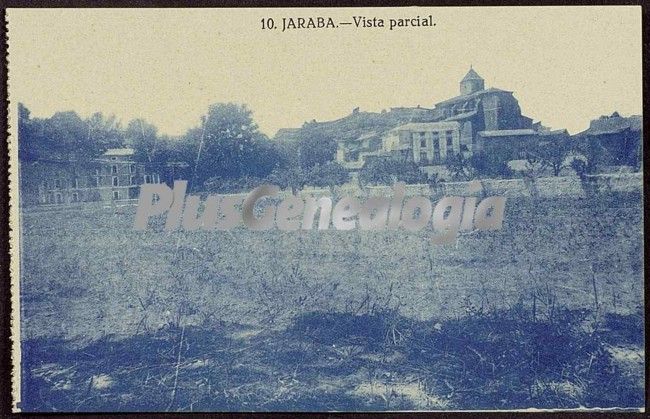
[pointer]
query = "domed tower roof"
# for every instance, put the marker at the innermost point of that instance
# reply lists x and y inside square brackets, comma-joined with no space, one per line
[471,83]
[472,75]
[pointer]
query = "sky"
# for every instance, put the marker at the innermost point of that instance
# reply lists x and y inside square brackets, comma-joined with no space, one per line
[565,65]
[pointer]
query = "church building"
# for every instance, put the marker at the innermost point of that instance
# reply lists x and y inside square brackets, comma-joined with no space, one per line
[465,124]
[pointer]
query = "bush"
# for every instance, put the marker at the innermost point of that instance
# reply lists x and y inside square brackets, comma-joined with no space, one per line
[232,185]
[328,175]
[389,171]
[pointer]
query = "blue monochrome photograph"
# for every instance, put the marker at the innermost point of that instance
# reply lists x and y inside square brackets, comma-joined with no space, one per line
[326,209]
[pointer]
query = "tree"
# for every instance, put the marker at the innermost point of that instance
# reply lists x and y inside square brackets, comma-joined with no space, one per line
[144,138]
[594,155]
[329,175]
[66,136]
[290,176]
[488,166]
[27,135]
[229,145]
[266,157]
[389,171]
[554,153]
[477,166]
[460,167]
[314,148]
[580,167]
[104,132]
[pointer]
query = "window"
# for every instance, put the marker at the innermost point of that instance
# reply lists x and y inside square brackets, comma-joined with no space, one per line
[436,145]
[450,142]
[147,179]
[449,135]
[423,156]
[46,184]
[114,169]
[59,199]
[132,168]
[116,194]
[423,141]
[463,147]
[98,181]
[75,197]
[116,181]
[113,158]
[57,183]
[75,183]
[132,180]
[50,198]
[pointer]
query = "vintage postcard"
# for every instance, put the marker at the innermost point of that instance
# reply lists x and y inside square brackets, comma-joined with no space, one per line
[326,209]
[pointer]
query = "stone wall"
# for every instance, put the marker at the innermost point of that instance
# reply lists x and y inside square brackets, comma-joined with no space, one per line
[549,187]
[570,186]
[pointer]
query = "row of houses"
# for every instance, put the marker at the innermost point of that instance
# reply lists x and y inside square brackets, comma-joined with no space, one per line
[481,120]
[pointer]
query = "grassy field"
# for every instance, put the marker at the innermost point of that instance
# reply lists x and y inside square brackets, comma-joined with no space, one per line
[118,319]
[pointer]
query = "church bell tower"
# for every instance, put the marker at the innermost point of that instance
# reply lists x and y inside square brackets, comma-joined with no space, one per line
[471,83]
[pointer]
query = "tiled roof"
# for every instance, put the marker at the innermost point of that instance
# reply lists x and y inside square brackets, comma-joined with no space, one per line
[423,126]
[462,98]
[554,132]
[462,116]
[508,132]
[367,135]
[119,152]
[472,75]
[521,132]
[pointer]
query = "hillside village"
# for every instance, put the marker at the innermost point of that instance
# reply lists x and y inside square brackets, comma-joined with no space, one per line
[480,133]
[478,120]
